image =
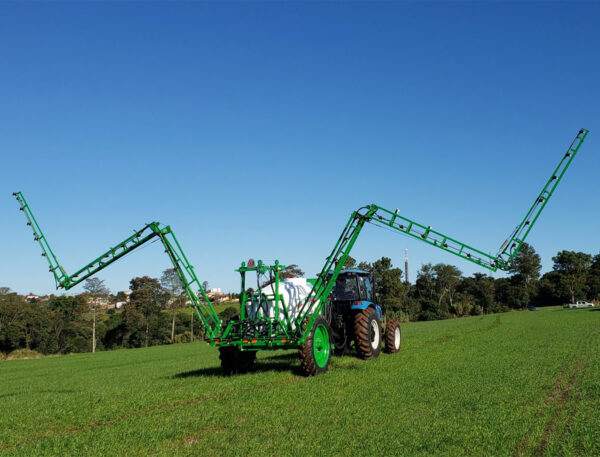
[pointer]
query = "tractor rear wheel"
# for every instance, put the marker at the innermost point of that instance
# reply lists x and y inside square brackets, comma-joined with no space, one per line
[367,333]
[393,336]
[315,353]
[234,361]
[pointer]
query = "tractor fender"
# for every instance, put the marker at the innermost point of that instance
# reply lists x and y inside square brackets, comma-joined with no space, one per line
[363,304]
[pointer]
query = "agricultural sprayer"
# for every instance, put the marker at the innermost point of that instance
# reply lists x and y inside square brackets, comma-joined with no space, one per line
[334,312]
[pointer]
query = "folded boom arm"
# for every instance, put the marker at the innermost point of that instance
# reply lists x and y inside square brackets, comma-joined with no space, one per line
[203,307]
[376,215]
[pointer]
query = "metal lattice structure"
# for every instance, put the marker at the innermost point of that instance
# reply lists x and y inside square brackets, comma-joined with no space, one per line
[282,330]
[185,270]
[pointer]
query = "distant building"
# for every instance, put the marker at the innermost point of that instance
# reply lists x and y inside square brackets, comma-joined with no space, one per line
[216,295]
[31,296]
[127,294]
[100,302]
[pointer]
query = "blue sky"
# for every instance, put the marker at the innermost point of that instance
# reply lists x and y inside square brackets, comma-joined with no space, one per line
[255,129]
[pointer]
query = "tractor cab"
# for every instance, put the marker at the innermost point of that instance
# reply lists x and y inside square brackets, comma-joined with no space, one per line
[354,289]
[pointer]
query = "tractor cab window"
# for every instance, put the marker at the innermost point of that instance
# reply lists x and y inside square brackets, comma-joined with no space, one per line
[366,290]
[346,288]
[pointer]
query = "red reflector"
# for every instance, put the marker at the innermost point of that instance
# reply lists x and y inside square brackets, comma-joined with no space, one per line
[357,303]
[217,341]
[246,341]
[283,340]
[253,341]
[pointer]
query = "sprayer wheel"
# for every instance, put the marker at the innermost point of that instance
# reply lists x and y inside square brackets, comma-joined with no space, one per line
[228,356]
[393,336]
[367,333]
[234,361]
[315,353]
[246,361]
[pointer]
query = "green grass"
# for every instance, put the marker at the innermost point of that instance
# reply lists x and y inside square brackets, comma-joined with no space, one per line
[521,383]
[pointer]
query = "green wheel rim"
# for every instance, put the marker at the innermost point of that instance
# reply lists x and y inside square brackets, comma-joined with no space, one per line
[321,345]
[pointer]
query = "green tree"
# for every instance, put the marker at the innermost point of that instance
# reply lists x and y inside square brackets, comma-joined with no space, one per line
[593,279]
[482,288]
[96,289]
[143,312]
[388,280]
[573,268]
[525,269]
[447,278]
[172,284]
[526,265]
[68,329]
[350,262]
[549,291]
[366,266]
[12,308]
[425,283]
[292,271]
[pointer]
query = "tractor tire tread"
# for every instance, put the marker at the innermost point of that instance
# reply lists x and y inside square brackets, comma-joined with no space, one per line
[362,336]
[390,330]
[308,365]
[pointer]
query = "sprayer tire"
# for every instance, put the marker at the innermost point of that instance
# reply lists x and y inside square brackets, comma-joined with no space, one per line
[234,361]
[367,333]
[315,353]
[246,361]
[228,356]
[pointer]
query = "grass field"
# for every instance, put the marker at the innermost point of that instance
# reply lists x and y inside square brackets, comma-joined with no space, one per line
[520,383]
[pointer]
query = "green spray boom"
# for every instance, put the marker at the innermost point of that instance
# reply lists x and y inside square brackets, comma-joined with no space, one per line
[202,306]
[382,217]
[313,305]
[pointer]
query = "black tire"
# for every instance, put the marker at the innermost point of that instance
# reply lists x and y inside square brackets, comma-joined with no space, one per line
[234,361]
[367,333]
[393,336]
[246,361]
[228,356]
[308,360]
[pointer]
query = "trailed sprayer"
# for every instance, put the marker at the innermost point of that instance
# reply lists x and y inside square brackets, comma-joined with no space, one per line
[335,312]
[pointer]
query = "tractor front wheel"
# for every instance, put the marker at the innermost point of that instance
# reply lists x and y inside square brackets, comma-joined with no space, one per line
[315,353]
[367,333]
[393,336]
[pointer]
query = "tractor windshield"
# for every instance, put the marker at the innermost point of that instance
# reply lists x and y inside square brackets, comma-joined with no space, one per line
[346,288]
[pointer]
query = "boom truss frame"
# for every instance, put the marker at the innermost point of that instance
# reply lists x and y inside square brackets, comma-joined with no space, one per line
[281,332]
[185,270]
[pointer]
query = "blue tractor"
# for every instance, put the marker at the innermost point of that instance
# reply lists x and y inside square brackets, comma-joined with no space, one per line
[357,320]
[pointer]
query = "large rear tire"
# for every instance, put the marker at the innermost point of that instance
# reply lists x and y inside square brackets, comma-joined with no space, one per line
[315,353]
[367,333]
[234,361]
[393,336]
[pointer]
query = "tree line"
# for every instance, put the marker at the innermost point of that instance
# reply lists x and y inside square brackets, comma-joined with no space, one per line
[155,311]
[153,314]
[441,291]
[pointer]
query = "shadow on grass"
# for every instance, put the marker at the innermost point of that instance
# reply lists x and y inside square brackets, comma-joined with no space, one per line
[594,309]
[277,362]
